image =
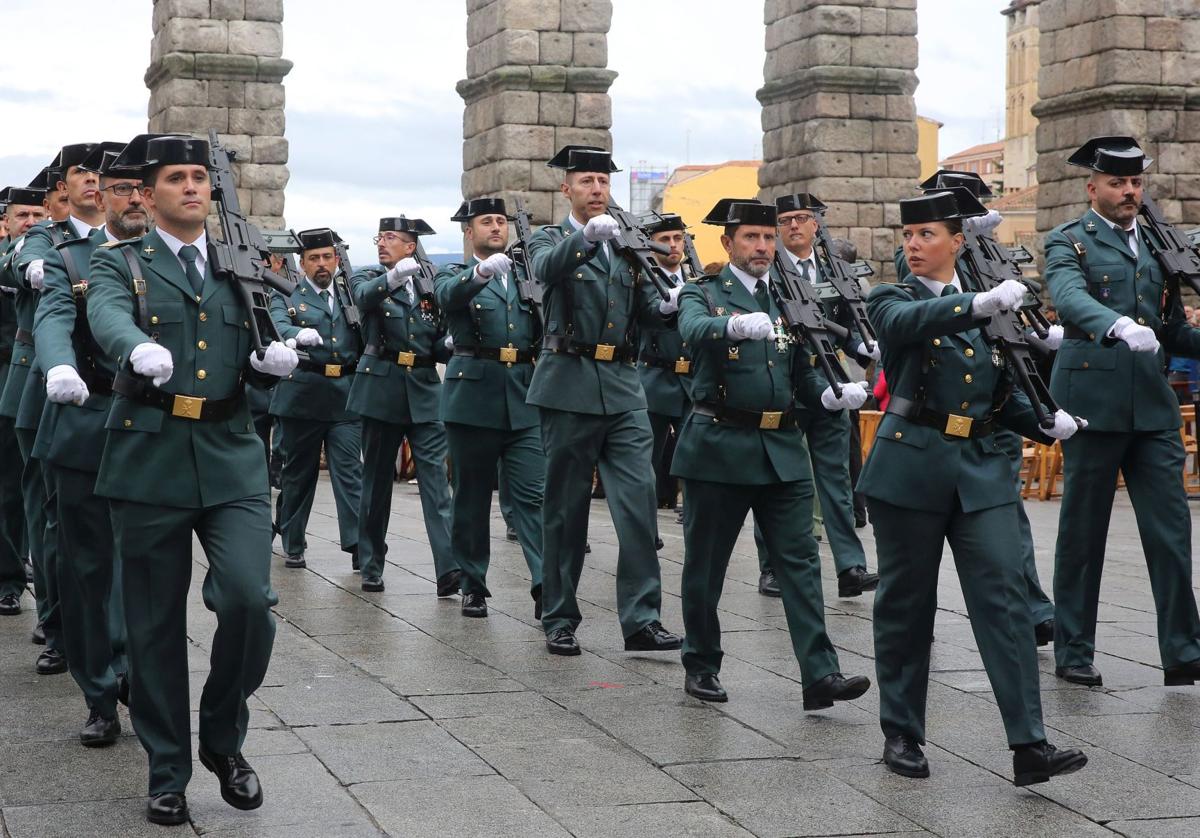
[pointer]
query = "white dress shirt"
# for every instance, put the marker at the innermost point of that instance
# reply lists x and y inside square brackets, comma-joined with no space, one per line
[174,244]
[936,287]
[319,289]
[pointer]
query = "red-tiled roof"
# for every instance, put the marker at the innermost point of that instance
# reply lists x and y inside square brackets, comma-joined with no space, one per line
[982,150]
[1021,199]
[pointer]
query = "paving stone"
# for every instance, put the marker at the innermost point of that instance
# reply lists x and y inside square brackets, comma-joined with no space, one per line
[1157,828]
[1112,787]
[125,817]
[1001,811]
[658,819]
[345,698]
[358,619]
[360,753]
[64,770]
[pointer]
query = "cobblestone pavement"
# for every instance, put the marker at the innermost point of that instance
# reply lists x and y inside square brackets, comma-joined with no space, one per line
[391,713]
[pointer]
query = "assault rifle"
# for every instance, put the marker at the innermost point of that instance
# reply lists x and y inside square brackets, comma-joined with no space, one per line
[423,279]
[691,258]
[637,246]
[838,273]
[243,258]
[287,244]
[1176,253]
[805,320]
[341,284]
[528,287]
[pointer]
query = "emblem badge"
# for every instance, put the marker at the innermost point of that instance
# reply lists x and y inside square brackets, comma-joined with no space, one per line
[720,311]
[303,307]
[148,250]
[1091,226]
[997,358]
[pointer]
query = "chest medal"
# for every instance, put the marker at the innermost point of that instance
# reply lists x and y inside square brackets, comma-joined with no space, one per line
[997,358]
[782,338]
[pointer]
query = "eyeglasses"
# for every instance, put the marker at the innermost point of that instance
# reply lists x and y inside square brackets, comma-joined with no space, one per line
[802,218]
[387,237]
[122,190]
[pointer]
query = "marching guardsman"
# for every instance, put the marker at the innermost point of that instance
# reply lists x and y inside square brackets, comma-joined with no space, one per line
[396,391]
[24,208]
[937,473]
[1109,292]
[664,360]
[496,332]
[593,409]
[181,342]
[742,449]
[311,402]
[79,393]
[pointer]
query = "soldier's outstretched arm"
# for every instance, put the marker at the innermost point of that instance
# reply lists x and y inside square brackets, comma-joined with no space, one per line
[556,261]
[54,320]
[37,245]
[1069,289]
[368,287]
[900,320]
[111,306]
[456,285]
[283,321]
[697,323]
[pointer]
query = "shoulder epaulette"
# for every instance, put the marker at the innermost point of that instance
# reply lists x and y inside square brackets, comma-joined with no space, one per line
[705,278]
[70,243]
[120,243]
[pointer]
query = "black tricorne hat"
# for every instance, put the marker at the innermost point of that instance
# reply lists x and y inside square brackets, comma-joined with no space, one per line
[947,178]
[1120,156]
[281,241]
[947,205]
[799,201]
[25,196]
[94,162]
[318,237]
[149,151]
[733,211]
[583,158]
[72,155]
[661,222]
[476,207]
[403,224]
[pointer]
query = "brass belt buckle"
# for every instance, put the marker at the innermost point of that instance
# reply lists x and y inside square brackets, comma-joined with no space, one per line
[139,287]
[508,354]
[770,420]
[187,407]
[605,352]
[406,359]
[683,367]
[333,370]
[958,425]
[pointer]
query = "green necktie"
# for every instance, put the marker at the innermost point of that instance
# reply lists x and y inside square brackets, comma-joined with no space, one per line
[948,290]
[806,269]
[324,295]
[188,253]
[760,294]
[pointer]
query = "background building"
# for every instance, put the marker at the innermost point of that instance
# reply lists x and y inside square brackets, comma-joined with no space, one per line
[646,184]
[927,145]
[691,192]
[1021,93]
[985,160]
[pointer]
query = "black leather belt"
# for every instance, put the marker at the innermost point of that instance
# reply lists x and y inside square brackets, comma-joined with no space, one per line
[950,424]
[679,366]
[196,408]
[595,351]
[97,382]
[507,354]
[24,336]
[766,420]
[403,359]
[328,370]
[1073,332]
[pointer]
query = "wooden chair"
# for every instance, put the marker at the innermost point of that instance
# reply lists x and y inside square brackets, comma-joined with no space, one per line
[868,426]
[1191,462]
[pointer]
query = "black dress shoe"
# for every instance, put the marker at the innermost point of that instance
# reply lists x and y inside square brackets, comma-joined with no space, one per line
[169,809]
[705,688]
[372,583]
[1043,632]
[99,732]
[1039,762]
[834,687]
[123,689]
[653,638]
[902,755]
[51,662]
[354,564]
[856,581]
[510,534]
[658,543]
[1087,675]
[1181,675]
[239,784]
[587,547]
[768,585]
[474,605]
[38,635]
[450,584]
[562,642]
[296,560]
[10,604]
[537,604]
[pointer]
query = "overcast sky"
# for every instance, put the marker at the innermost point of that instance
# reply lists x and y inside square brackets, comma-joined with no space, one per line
[375,124]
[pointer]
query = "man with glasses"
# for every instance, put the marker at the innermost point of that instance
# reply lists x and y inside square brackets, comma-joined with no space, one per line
[397,392]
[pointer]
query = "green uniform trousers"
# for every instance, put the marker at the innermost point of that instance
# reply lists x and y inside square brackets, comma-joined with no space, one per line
[474,454]
[505,494]
[301,446]
[1040,605]
[619,445]
[381,445]
[41,531]
[93,635]
[1152,463]
[712,519]
[13,538]
[908,543]
[661,425]
[155,545]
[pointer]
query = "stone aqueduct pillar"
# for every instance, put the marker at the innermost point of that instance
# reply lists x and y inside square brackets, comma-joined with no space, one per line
[218,64]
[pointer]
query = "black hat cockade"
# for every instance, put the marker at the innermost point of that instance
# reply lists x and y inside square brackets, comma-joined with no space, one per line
[944,179]
[403,224]
[1120,156]
[318,237]
[583,158]
[799,201]
[149,151]
[480,206]
[730,212]
[950,204]
[661,222]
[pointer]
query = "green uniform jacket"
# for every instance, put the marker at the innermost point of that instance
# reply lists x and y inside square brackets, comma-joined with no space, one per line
[1111,386]
[8,322]
[306,394]
[383,389]
[69,435]
[757,375]
[478,391]
[667,392]
[607,306]
[918,467]
[151,456]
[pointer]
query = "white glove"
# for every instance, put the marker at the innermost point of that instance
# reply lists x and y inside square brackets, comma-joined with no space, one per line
[1006,296]
[1065,425]
[308,337]
[64,386]
[983,225]
[1054,338]
[34,274]
[1139,338]
[601,228]
[854,395]
[279,359]
[671,305]
[448,342]
[497,263]
[754,326]
[400,271]
[153,360]
[876,354]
